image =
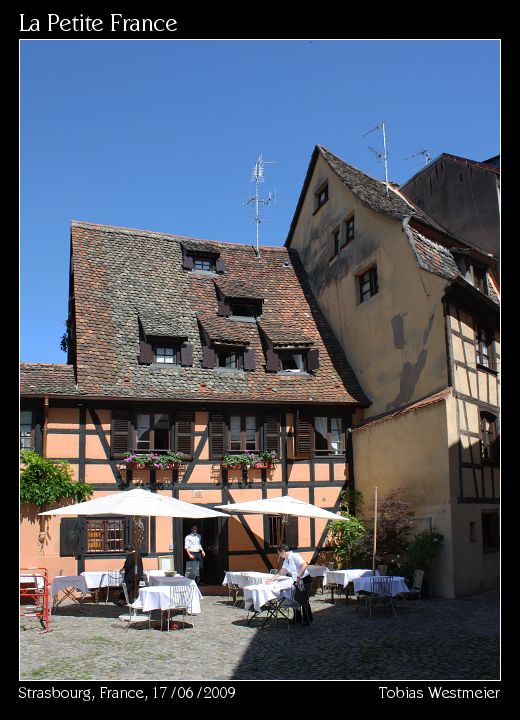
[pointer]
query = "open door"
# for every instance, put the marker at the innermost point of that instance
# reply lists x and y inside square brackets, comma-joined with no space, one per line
[212,532]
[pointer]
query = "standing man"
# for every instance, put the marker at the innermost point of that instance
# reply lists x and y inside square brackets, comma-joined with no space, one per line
[194,549]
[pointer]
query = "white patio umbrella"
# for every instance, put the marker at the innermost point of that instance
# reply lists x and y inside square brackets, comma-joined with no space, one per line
[137,503]
[283,505]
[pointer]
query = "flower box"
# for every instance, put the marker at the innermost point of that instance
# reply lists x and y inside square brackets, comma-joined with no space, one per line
[232,467]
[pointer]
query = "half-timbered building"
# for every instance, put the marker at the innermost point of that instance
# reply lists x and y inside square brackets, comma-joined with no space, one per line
[200,347]
[416,308]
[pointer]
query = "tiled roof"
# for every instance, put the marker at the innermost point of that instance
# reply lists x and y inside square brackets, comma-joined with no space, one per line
[431,256]
[417,405]
[165,324]
[47,379]
[224,330]
[240,288]
[200,246]
[118,271]
[287,334]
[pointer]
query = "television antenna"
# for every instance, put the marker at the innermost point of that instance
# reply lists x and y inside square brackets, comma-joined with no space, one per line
[257,176]
[425,154]
[381,157]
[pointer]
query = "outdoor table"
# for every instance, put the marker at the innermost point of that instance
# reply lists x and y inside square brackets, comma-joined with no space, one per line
[157,597]
[94,578]
[398,584]
[344,577]
[259,596]
[318,571]
[68,583]
[173,580]
[243,578]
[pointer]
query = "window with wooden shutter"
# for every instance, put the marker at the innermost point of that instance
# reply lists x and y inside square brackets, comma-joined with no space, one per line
[69,537]
[120,434]
[272,361]
[187,354]
[303,435]
[208,357]
[217,435]
[313,359]
[291,533]
[184,433]
[272,433]
[146,354]
[249,359]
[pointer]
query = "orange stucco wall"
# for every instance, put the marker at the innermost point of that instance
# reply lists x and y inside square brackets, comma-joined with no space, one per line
[203,487]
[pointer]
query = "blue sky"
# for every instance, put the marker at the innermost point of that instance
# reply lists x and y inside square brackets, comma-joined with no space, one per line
[162,135]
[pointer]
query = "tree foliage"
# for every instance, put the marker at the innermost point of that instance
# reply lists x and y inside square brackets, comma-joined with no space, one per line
[44,481]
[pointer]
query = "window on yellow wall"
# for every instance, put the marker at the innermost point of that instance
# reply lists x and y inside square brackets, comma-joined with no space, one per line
[105,536]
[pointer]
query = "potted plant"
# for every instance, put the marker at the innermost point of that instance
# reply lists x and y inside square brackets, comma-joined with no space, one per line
[266,459]
[170,460]
[234,462]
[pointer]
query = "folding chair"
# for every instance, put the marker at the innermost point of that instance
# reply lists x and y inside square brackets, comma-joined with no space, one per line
[112,579]
[181,597]
[133,616]
[380,592]
[233,586]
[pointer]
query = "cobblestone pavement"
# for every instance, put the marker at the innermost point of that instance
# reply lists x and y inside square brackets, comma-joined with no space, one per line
[434,639]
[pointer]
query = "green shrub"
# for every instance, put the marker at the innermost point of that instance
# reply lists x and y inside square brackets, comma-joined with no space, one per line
[43,481]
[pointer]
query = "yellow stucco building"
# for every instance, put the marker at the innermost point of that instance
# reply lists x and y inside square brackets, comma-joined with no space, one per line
[417,312]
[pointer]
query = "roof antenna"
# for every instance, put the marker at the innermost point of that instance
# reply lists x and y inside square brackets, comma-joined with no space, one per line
[380,156]
[257,176]
[425,153]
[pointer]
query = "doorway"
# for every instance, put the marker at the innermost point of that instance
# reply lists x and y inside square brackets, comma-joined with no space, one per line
[213,532]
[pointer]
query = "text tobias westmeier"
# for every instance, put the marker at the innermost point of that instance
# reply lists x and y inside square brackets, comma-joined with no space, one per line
[85,23]
[438,693]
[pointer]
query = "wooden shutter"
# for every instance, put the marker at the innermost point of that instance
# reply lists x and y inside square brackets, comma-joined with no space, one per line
[69,537]
[120,434]
[82,535]
[184,433]
[145,353]
[291,533]
[187,262]
[187,354]
[217,435]
[303,436]
[272,433]
[313,359]
[129,533]
[249,359]
[223,309]
[208,357]
[272,361]
[220,265]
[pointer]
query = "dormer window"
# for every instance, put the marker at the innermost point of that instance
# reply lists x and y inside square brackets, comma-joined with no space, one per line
[291,361]
[230,358]
[321,196]
[245,309]
[167,354]
[208,264]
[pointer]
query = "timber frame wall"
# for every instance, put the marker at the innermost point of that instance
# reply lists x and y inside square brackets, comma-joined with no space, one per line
[81,434]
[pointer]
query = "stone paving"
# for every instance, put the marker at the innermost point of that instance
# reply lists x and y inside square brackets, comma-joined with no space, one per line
[433,640]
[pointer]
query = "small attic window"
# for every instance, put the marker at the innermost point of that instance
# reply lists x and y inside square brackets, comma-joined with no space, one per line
[321,196]
[245,309]
[201,263]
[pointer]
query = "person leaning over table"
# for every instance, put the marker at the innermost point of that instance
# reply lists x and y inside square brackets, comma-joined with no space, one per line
[295,566]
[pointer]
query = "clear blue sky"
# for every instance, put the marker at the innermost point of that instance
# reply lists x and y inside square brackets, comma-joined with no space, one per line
[162,135]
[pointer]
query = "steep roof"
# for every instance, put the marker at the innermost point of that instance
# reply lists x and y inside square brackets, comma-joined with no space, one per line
[370,191]
[121,275]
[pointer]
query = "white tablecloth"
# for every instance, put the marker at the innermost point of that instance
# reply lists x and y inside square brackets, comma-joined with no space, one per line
[174,580]
[398,584]
[93,579]
[343,577]
[158,598]
[244,578]
[257,595]
[69,581]
[318,571]
[30,580]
